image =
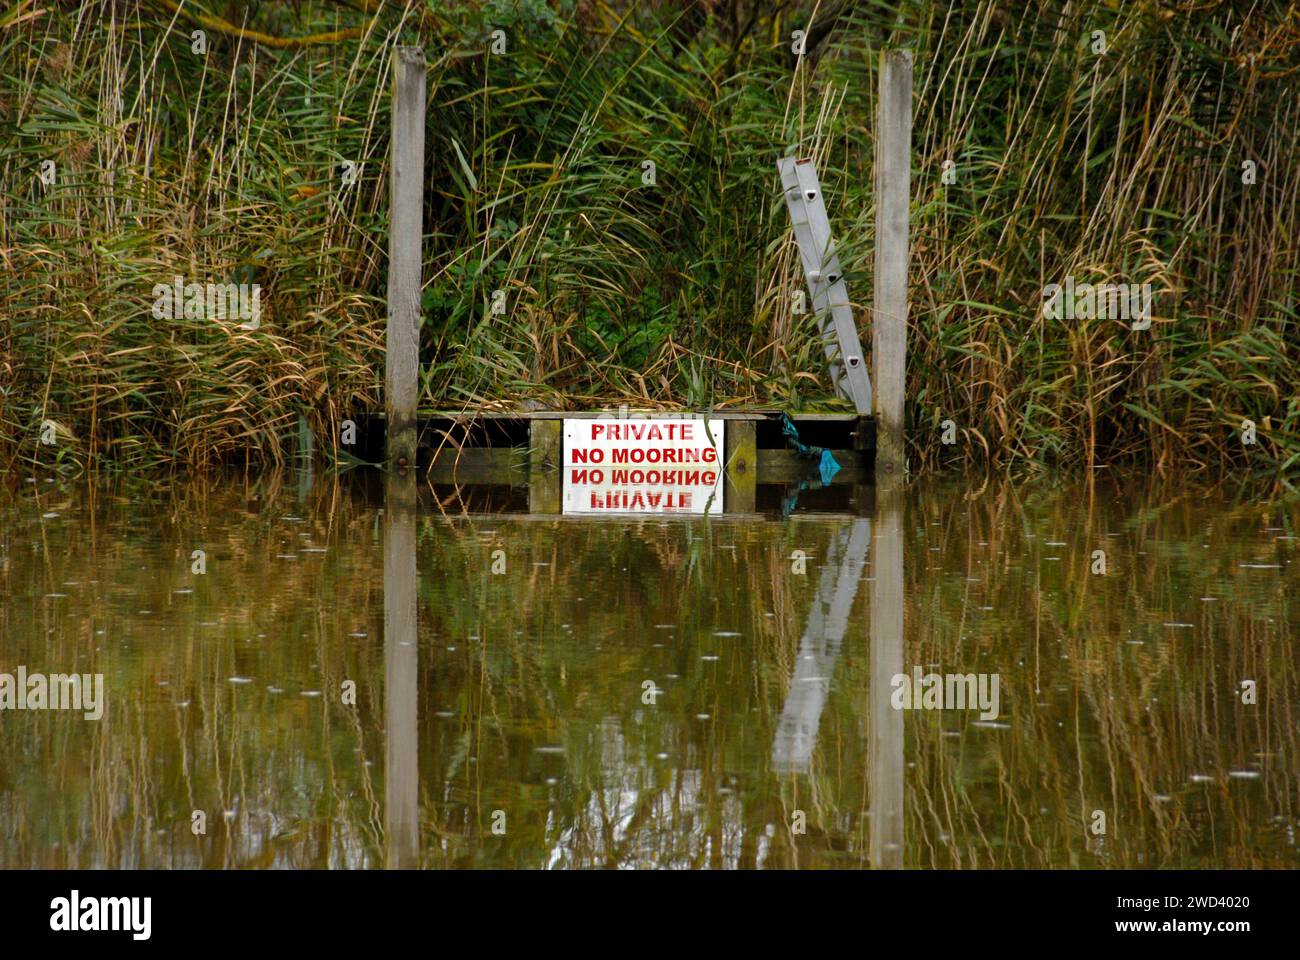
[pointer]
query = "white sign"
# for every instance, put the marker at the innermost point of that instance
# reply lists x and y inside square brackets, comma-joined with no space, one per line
[643,466]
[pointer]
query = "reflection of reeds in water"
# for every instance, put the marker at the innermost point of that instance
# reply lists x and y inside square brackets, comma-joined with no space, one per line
[1133,709]
[530,699]
[261,765]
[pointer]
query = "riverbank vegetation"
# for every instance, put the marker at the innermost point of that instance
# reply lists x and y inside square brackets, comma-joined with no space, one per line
[610,168]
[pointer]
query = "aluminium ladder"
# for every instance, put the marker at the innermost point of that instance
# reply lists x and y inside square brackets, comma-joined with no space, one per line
[830,294]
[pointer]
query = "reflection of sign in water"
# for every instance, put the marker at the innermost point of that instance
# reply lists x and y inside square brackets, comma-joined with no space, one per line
[642,466]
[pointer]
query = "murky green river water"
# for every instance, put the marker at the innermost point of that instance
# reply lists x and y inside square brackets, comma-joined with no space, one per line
[559,692]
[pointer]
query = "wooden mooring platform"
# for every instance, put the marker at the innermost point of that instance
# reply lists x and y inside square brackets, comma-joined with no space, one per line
[526,448]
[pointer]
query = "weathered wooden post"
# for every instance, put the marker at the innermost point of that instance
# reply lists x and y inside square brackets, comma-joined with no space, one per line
[405,228]
[545,466]
[889,316]
[741,466]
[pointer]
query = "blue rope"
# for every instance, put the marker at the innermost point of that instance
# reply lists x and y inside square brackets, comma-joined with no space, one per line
[827,465]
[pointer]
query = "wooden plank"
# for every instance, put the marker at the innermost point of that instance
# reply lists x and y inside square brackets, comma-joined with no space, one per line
[741,483]
[479,465]
[889,315]
[545,459]
[786,466]
[821,417]
[648,517]
[754,415]
[405,230]
[510,465]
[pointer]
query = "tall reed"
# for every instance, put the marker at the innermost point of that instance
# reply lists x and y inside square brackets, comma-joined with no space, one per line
[1122,166]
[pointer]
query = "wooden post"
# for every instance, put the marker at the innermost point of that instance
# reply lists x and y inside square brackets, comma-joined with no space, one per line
[741,450]
[889,316]
[545,466]
[405,228]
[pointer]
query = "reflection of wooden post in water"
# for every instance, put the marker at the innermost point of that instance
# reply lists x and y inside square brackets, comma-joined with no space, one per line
[887,662]
[401,662]
[796,732]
